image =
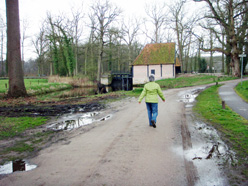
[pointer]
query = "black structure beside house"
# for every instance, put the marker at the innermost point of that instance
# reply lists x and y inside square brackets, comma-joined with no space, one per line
[122,81]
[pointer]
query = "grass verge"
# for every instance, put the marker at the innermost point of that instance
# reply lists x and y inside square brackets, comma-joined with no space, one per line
[191,81]
[242,90]
[233,127]
[14,126]
[16,142]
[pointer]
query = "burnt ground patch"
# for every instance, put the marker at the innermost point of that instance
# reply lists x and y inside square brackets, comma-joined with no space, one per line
[48,110]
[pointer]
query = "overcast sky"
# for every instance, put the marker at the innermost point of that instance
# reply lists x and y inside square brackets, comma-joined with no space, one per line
[34,11]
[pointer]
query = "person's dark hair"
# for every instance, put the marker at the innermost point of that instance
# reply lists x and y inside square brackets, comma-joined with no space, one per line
[151,78]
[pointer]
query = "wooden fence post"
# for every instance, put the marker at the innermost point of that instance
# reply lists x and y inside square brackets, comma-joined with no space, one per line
[223,105]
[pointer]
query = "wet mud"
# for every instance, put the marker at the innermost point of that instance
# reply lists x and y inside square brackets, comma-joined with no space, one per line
[69,122]
[50,110]
[204,152]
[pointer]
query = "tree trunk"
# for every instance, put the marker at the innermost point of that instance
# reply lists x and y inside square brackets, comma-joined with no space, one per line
[222,58]
[51,68]
[187,56]
[180,47]
[235,66]
[234,51]
[39,71]
[228,63]
[85,60]
[2,71]
[99,62]
[15,71]
[211,52]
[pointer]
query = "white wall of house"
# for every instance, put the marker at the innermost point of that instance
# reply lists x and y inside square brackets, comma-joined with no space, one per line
[141,73]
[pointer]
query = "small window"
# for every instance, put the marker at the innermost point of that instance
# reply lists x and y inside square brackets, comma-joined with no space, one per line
[153,71]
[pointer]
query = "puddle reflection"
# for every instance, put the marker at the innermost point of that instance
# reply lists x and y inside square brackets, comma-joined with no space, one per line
[210,146]
[208,153]
[73,121]
[213,148]
[188,97]
[18,165]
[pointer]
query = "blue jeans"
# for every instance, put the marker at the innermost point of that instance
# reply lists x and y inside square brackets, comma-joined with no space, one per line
[152,109]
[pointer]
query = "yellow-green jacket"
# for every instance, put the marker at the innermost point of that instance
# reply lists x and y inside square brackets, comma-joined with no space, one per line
[151,91]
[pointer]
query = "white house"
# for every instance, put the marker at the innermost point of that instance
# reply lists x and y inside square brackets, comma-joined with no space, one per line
[158,59]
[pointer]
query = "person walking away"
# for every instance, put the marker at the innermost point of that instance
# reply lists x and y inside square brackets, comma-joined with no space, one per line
[151,91]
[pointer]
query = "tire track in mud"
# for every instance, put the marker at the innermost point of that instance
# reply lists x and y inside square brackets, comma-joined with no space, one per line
[191,171]
[115,141]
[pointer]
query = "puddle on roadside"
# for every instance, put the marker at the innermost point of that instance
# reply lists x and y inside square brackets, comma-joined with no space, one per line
[210,146]
[188,96]
[14,166]
[209,153]
[65,122]
[74,121]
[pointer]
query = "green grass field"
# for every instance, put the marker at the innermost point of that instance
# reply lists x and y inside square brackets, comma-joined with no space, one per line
[35,86]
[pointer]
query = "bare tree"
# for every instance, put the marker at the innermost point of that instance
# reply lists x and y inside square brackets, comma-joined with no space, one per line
[77,32]
[157,17]
[105,14]
[232,17]
[130,30]
[183,26]
[40,45]
[89,51]
[15,71]
[23,38]
[2,32]
[176,18]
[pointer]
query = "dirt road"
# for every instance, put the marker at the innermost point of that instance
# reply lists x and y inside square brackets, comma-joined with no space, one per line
[123,150]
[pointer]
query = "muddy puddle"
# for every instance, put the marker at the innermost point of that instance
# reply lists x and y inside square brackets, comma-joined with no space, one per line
[65,122]
[209,154]
[14,166]
[212,147]
[73,121]
[188,96]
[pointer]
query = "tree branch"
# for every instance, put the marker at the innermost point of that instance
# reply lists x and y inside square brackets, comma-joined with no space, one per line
[216,49]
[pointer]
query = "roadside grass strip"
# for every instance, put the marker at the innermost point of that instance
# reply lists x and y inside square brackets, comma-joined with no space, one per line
[191,81]
[242,90]
[14,126]
[233,127]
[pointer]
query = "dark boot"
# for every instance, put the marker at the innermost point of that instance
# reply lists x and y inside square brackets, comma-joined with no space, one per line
[153,124]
